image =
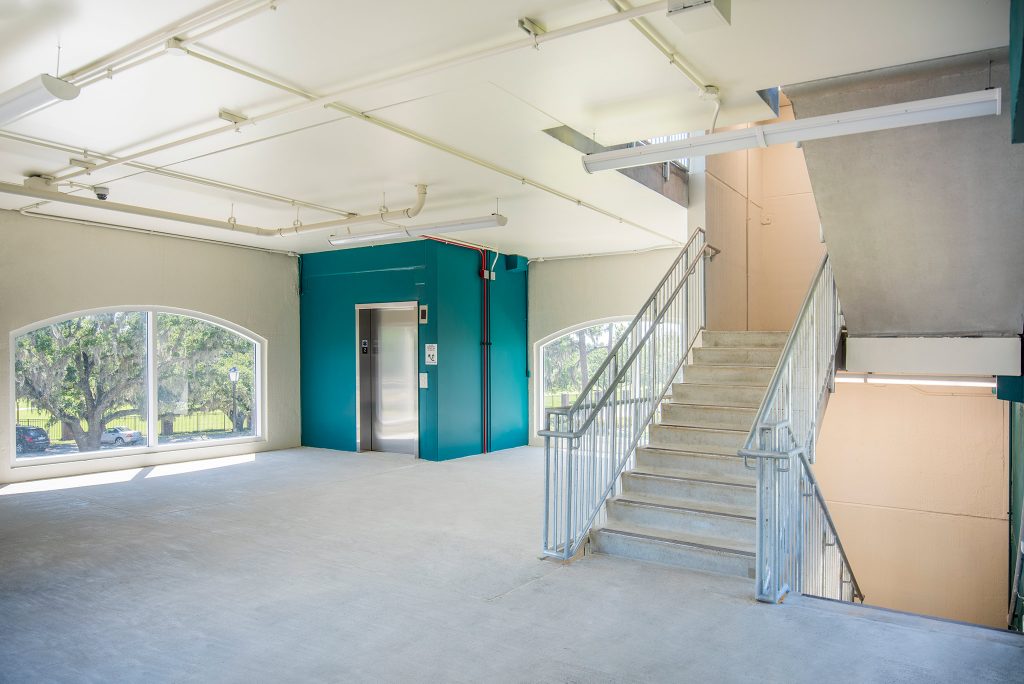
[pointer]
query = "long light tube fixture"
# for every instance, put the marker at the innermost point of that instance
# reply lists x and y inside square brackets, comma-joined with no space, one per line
[34,94]
[480,222]
[932,380]
[933,110]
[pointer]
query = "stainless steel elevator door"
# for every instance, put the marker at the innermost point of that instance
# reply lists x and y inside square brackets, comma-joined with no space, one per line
[394,421]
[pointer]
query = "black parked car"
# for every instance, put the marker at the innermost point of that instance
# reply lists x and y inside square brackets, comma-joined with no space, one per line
[31,439]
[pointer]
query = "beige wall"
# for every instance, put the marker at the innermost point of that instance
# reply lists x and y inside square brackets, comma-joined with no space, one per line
[50,268]
[567,292]
[760,212]
[916,480]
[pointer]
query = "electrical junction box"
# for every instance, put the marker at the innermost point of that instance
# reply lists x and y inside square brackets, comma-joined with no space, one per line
[699,15]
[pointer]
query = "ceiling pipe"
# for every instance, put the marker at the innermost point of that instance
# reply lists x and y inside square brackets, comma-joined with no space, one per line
[383,217]
[158,39]
[663,45]
[299,228]
[436,144]
[326,100]
[177,175]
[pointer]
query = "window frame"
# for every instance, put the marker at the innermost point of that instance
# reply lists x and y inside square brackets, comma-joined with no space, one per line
[538,362]
[152,406]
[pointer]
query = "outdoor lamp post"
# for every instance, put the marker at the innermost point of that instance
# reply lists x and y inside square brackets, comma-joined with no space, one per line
[233,377]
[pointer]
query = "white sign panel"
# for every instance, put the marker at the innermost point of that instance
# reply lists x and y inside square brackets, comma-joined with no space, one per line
[431,354]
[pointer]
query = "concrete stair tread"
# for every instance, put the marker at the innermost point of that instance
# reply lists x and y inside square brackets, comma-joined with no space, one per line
[726,365]
[690,452]
[660,474]
[710,507]
[683,539]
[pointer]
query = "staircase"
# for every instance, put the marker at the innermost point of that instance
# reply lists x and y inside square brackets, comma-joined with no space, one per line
[689,501]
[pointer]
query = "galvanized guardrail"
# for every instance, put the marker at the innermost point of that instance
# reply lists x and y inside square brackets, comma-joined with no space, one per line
[589,444]
[798,548]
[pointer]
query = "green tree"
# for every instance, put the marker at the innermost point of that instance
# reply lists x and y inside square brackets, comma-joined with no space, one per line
[86,371]
[193,360]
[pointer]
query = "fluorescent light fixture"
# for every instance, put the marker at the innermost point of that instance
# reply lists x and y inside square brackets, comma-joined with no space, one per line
[491,221]
[934,110]
[34,94]
[930,380]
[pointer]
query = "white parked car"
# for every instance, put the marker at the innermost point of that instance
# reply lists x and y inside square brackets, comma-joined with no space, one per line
[120,435]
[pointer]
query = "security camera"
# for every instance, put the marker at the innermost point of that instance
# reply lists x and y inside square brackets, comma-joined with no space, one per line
[101,191]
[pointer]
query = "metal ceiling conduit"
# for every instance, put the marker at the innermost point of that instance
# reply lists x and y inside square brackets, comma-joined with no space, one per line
[330,101]
[413,135]
[206,21]
[177,175]
[532,40]
[296,229]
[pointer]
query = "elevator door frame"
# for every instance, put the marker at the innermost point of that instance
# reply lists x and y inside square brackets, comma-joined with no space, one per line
[413,305]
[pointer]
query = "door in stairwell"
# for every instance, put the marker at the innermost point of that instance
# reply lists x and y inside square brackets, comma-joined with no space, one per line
[388,406]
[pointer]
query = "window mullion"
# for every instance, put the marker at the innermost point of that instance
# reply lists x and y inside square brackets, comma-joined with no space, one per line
[151,380]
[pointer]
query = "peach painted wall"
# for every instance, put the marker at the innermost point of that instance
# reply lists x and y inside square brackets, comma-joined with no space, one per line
[761,214]
[916,481]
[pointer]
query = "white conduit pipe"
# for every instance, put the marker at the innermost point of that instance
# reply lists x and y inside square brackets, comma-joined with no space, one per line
[157,39]
[177,175]
[145,231]
[436,144]
[67,198]
[663,45]
[529,41]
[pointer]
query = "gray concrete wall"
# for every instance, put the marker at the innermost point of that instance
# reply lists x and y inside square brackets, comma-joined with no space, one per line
[924,225]
[50,268]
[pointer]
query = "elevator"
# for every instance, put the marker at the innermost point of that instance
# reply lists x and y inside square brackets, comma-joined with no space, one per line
[388,390]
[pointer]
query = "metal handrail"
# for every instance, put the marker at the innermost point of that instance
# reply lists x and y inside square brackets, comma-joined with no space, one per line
[710,250]
[781,447]
[589,444]
[787,351]
[594,407]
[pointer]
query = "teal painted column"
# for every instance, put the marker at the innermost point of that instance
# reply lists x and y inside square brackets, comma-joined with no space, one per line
[1017,69]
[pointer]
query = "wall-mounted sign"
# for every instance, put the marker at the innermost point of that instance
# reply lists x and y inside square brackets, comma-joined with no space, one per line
[364,346]
[431,354]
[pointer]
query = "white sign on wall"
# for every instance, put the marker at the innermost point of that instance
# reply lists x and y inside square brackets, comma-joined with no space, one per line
[431,354]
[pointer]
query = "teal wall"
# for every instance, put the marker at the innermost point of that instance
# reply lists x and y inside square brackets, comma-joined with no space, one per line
[509,354]
[446,279]
[1017,70]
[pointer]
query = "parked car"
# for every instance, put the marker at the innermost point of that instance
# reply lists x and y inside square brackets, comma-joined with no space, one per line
[120,435]
[30,438]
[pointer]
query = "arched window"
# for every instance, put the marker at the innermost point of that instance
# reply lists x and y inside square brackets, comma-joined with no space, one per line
[109,381]
[569,359]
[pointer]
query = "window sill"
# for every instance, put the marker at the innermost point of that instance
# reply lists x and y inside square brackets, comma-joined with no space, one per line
[87,456]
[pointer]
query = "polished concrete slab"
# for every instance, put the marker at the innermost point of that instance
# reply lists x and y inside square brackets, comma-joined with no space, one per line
[313,565]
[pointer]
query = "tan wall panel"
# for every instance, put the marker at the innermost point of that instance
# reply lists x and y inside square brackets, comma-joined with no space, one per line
[730,168]
[948,566]
[727,274]
[784,256]
[913,447]
[916,480]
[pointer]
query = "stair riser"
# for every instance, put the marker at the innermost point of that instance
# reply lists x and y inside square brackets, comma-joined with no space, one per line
[728,375]
[708,416]
[689,490]
[695,439]
[744,339]
[739,530]
[736,357]
[706,468]
[693,558]
[717,395]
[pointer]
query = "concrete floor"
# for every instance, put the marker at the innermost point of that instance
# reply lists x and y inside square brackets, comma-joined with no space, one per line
[312,565]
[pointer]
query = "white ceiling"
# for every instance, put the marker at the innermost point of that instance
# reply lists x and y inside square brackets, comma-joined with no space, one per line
[608,82]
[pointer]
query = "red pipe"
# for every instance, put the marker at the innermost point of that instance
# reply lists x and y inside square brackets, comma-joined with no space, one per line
[485,342]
